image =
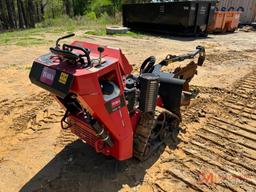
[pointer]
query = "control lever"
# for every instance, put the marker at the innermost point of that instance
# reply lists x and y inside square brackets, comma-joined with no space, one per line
[100,50]
[202,54]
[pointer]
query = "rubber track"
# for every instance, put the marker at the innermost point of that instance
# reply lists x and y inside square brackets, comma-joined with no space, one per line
[143,131]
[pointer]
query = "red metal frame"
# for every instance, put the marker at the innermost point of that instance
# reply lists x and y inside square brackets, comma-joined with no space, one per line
[87,87]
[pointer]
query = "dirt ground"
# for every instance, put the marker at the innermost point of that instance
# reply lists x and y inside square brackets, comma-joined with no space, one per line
[216,145]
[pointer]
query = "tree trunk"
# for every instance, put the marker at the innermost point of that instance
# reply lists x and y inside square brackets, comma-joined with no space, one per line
[67,5]
[10,14]
[42,7]
[14,13]
[73,7]
[37,13]
[3,19]
[52,9]
[20,14]
[31,13]
[24,14]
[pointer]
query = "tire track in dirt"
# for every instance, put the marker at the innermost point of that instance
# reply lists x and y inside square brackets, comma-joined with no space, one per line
[66,137]
[27,130]
[234,54]
[29,108]
[222,153]
[20,118]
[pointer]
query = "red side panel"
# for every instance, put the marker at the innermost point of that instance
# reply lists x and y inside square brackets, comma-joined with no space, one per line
[112,115]
[118,122]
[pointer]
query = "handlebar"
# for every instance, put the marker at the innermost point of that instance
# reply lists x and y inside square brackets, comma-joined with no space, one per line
[84,50]
[64,37]
[67,51]
[64,54]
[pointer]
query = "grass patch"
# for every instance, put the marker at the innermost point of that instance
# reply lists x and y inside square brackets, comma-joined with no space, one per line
[47,31]
[44,31]
[102,32]
[99,32]
[131,34]
[29,41]
[23,37]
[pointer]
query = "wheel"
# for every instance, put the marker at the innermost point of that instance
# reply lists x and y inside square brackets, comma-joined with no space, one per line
[116,30]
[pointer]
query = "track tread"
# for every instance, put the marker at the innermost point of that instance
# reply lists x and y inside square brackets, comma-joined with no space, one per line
[144,130]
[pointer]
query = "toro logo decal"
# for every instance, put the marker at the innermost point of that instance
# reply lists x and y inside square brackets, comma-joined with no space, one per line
[47,76]
[115,103]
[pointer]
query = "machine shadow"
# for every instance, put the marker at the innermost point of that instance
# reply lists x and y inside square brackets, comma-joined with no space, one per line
[79,168]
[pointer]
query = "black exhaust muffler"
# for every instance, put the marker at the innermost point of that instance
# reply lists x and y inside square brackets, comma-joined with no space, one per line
[148,85]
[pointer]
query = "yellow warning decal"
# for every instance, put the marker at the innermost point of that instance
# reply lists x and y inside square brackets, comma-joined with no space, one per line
[63,78]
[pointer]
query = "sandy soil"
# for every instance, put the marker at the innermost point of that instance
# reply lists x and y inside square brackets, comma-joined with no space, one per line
[214,151]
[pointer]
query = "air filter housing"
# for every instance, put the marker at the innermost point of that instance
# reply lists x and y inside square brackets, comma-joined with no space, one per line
[148,85]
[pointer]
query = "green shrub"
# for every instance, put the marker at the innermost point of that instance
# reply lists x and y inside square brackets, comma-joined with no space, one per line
[101,6]
[91,15]
[105,18]
[63,20]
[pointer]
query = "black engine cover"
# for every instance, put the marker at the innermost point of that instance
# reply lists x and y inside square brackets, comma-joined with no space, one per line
[170,91]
